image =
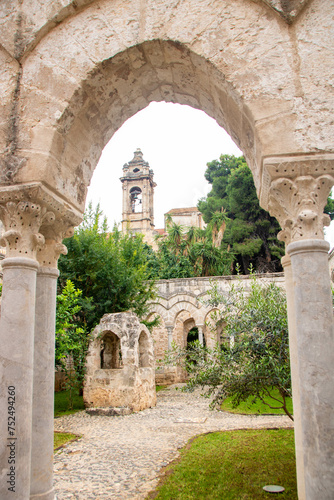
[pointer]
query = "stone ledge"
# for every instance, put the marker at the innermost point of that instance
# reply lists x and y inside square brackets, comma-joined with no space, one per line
[110,411]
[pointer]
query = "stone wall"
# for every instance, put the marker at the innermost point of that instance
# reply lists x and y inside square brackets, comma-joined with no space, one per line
[180,305]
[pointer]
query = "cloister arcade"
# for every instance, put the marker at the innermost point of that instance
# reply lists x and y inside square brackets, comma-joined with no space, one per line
[72,71]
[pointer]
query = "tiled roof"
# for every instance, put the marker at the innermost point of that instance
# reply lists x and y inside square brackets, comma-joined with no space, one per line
[187,210]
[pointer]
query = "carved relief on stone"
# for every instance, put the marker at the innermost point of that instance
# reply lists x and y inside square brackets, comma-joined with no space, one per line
[53,247]
[22,221]
[35,222]
[298,205]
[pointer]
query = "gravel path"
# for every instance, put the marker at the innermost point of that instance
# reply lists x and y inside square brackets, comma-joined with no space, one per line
[120,457]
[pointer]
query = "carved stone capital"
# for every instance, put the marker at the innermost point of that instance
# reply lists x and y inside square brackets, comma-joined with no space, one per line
[22,221]
[35,222]
[295,191]
[53,247]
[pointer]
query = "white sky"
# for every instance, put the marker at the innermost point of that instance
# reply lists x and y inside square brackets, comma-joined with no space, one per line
[177,141]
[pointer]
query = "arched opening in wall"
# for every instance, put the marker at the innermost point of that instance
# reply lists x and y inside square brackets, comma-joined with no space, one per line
[190,331]
[111,352]
[143,350]
[192,335]
[166,133]
[173,100]
[136,200]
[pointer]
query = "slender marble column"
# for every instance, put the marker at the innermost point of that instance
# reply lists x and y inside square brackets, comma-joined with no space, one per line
[22,219]
[289,286]
[43,386]
[170,336]
[27,211]
[16,374]
[200,335]
[297,195]
[315,352]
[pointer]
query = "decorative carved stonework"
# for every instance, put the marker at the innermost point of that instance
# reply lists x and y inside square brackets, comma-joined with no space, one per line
[22,221]
[298,205]
[54,234]
[291,167]
[35,222]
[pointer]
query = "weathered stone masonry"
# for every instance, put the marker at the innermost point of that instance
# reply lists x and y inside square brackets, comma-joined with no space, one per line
[120,364]
[181,305]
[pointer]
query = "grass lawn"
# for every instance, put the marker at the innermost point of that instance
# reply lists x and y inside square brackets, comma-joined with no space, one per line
[232,465]
[61,404]
[61,408]
[61,438]
[160,387]
[247,407]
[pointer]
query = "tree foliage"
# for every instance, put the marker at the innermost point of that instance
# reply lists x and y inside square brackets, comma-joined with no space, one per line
[193,252]
[255,358]
[71,339]
[250,231]
[111,269]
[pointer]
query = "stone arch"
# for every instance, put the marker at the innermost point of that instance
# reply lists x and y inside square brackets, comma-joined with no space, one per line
[91,98]
[117,88]
[178,300]
[111,351]
[144,358]
[214,328]
[190,308]
[183,323]
[160,310]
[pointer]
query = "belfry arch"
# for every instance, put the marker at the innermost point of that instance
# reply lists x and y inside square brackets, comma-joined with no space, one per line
[70,76]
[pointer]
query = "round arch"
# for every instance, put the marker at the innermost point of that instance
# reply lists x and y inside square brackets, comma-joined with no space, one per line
[72,103]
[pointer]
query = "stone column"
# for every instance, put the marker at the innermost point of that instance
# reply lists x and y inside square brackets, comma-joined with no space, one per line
[170,335]
[289,286]
[25,210]
[200,334]
[297,200]
[315,352]
[41,487]
[22,220]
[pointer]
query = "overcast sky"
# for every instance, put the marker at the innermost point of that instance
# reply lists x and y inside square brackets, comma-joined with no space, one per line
[177,141]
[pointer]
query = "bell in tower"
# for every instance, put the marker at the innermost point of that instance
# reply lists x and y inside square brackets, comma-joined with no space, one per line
[138,190]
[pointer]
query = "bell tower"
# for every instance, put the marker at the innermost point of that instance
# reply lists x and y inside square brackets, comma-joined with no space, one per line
[138,189]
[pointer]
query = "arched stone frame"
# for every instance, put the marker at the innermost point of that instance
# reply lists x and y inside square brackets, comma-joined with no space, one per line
[111,351]
[184,321]
[188,325]
[213,327]
[145,354]
[192,307]
[160,309]
[266,84]
[93,358]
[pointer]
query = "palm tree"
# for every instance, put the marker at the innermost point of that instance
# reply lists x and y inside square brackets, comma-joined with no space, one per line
[217,227]
[175,237]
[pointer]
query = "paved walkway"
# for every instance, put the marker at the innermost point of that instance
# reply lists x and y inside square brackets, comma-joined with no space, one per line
[120,457]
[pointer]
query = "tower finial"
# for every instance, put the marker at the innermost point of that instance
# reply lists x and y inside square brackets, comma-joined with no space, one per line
[138,155]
